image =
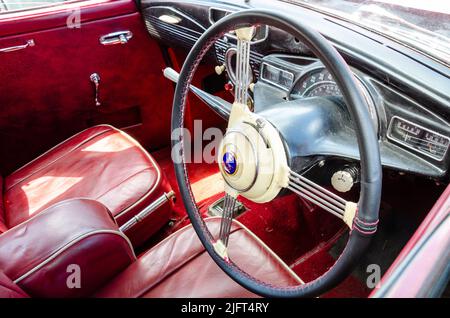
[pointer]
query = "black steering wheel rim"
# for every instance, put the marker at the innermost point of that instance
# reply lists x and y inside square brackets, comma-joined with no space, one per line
[366,219]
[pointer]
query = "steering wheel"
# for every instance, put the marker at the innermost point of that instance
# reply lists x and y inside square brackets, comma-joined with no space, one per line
[256,152]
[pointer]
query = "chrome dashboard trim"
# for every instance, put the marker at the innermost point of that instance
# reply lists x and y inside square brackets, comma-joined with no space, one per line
[180,14]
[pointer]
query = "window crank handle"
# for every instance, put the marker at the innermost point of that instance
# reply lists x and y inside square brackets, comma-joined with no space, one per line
[95,78]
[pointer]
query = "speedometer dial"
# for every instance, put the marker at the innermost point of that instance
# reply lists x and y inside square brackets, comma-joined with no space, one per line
[320,83]
[323,89]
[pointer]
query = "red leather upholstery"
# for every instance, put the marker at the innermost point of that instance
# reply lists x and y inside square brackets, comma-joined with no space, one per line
[176,267]
[100,163]
[37,253]
[3,227]
[8,289]
[46,17]
[180,267]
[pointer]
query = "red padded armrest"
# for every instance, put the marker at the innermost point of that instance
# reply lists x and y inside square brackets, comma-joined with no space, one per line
[68,250]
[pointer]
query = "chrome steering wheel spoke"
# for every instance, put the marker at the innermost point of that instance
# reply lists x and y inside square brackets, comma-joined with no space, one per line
[327,200]
[244,35]
[238,109]
[221,244]
[227,218]
[240,105]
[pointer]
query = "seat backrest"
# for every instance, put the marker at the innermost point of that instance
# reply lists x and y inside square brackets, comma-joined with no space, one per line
[74,239]
[8,289]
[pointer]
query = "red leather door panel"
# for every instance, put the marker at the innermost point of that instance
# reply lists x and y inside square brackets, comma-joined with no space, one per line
[46,94]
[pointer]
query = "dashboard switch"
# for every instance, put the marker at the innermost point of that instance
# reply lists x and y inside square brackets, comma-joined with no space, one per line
[219,69]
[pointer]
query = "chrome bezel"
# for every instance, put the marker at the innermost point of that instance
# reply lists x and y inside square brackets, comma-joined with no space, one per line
[392,138]
[263,64]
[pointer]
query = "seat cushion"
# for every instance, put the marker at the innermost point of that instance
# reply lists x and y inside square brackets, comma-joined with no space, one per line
[101,163]
[179,266]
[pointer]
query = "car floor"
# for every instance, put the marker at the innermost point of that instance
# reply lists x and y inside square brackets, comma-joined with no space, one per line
[301,234]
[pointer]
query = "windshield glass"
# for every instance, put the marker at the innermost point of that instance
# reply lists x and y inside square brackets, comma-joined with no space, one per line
[421,24]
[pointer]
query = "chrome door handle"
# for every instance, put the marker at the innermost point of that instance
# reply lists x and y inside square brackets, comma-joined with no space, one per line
[120,37]
[29,43]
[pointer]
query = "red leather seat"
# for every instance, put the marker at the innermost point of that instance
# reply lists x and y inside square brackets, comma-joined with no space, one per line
[78,232]
[100,163]
[106,165]
[180,267]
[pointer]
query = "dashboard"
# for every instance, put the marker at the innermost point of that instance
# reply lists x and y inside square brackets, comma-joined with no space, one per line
[304,77]
[407,95]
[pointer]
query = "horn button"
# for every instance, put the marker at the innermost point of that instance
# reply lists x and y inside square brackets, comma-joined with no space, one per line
[252,159]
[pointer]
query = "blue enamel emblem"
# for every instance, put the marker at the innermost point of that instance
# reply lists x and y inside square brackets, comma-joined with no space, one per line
[229,163]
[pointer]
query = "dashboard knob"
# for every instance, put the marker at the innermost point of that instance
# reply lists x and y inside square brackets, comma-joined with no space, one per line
[219,69]
[229,86]
[343,180]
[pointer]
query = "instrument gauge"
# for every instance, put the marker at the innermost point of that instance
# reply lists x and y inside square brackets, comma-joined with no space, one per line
[418,138]
[320,83]
[277,76]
